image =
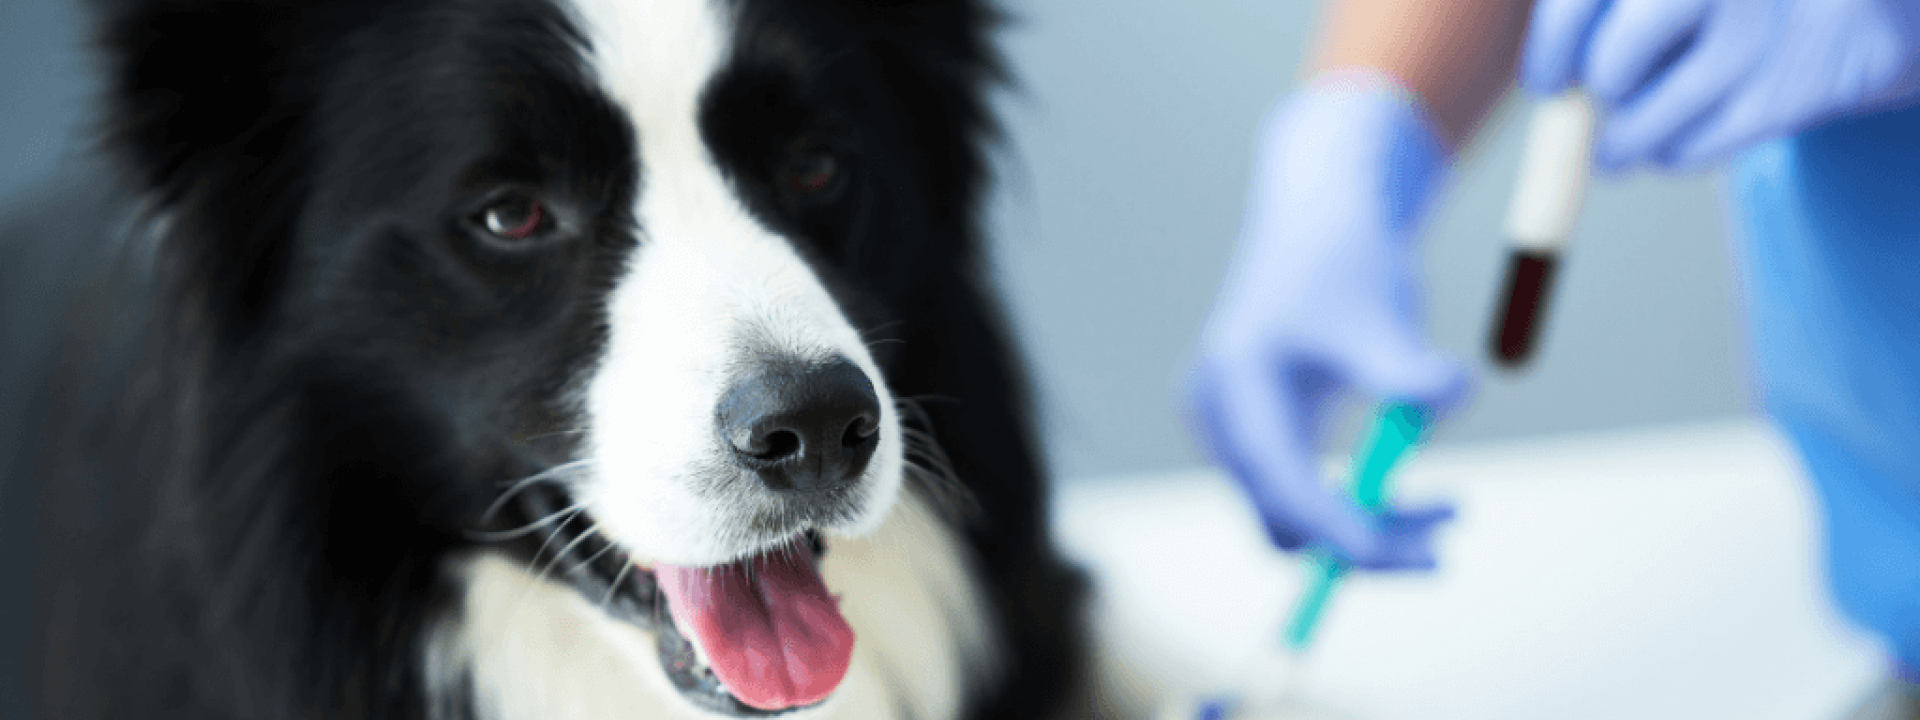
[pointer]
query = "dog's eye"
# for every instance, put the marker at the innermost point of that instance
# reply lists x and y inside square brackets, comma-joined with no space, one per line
[812,174]
[514,217]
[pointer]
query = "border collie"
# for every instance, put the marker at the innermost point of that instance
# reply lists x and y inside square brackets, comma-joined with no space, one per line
[535,359]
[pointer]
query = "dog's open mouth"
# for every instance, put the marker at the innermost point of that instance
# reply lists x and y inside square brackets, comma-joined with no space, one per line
[755,637]
[771,632]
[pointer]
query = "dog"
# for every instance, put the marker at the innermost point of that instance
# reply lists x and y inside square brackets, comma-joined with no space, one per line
[557,359]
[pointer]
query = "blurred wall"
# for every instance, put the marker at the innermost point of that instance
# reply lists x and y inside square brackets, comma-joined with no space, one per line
[1122,186]
[43,88]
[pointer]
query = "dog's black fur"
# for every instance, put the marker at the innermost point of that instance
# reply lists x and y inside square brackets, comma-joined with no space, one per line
[259,391]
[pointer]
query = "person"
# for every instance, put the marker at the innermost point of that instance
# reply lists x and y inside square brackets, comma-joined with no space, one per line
[1813,101]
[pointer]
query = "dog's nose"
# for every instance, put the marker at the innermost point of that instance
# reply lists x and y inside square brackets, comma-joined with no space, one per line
[802,426]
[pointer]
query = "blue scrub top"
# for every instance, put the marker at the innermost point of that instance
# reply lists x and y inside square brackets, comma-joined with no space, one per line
[1831,261]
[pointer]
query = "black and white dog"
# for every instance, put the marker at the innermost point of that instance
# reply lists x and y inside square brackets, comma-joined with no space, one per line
[532,359]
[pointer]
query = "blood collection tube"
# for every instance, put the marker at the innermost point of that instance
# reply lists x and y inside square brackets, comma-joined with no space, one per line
[1546,201]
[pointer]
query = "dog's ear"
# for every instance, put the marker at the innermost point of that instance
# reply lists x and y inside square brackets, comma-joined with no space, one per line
[209,107]
[210,90]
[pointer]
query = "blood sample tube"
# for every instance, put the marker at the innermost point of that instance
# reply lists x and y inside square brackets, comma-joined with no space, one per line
[1558,160]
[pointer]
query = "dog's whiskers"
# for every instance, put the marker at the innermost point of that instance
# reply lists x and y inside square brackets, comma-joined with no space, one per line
[919,402]
[582,565]
[556,433]
[550,473]
[928,465]
[527,529]
[518,486]
[534,581]
[882,327]
[564,551]
[554,533]
[619,577]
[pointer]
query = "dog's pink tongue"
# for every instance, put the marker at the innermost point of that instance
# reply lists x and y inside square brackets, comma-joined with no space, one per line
[773,634]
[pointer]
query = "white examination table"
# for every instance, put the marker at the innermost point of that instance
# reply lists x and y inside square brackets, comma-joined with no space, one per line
[1662,573]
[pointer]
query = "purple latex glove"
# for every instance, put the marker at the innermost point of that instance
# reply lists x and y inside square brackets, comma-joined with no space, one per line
[1690,82]
[1320,303]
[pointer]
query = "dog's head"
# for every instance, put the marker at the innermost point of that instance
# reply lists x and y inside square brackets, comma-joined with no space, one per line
[631,254]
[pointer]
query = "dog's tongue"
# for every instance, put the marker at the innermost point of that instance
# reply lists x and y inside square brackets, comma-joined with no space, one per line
[772,633]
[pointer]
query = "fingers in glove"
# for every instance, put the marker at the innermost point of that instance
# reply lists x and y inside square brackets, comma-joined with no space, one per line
[1420,517]
[1633,40]
[1387,360]
[1733,126]
[1253,424]
[1406,540]
[1556,42]
[1784,97]
[1676,97]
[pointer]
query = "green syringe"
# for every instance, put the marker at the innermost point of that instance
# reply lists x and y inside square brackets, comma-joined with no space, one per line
[1273,690]
[1396,429]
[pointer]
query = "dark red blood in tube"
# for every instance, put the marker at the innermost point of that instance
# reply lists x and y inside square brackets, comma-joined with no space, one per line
[1529,284]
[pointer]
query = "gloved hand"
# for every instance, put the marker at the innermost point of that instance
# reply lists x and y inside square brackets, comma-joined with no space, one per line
[1689,82]
[1321,301]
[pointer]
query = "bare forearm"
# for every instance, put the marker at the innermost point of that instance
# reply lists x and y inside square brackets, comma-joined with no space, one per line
[1457,56]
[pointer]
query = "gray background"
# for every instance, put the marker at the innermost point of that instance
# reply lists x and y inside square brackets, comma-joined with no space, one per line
[1122,186]
[43,87]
